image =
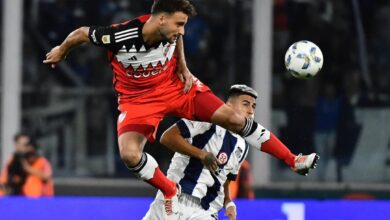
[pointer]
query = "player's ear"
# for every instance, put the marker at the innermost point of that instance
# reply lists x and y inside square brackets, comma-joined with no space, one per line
[162,18]
[229,102]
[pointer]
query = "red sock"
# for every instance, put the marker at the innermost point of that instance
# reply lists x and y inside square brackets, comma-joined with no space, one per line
[277,149]
[161,182]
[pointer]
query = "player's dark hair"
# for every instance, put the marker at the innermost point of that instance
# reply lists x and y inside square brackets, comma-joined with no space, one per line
[172,6]
[237,90]
[19,135]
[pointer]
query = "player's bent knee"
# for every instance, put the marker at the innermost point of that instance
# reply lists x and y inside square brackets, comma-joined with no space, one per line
[229,119]
[130,147]
[236,123]
[130,157]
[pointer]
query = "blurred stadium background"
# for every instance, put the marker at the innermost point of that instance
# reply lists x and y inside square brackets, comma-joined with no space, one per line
[72,109]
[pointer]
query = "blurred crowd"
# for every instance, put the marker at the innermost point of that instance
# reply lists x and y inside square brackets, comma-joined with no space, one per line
[27,172]
[218,50]
[323,108]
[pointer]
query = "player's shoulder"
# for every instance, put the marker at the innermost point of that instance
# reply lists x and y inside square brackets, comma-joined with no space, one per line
[197,123]
[196,127]
[129,30]
[130,25]
[239,137]
[143,18]
[42,161]
[133,23]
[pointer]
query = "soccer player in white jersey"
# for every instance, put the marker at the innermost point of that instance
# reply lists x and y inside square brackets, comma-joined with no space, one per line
[216,157]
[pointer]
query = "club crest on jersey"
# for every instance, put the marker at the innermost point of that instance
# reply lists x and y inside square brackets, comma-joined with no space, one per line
[106,39]
[122,117]
[222,158]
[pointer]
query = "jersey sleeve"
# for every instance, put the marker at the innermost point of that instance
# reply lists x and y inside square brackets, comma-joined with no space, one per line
[232,177]
[241,161]
[189,129]
[233,173]
[112,37]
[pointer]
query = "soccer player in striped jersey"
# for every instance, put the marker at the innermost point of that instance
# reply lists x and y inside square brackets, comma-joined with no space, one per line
[205,184]
[151,79]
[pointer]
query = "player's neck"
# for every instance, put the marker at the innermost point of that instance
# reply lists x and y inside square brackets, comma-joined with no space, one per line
[150,32]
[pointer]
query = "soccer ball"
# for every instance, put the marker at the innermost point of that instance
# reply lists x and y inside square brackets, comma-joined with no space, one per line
[303,59]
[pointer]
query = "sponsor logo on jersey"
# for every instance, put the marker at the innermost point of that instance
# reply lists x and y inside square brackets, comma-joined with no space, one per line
[238,152]
[145,73]
[138,62]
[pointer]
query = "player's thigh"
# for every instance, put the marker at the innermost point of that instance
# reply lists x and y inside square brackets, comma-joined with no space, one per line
[228,118]
[141,118]
[131,145]
[205,105]
[155,211]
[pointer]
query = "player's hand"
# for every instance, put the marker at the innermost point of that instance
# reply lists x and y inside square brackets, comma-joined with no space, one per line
[185,76]
[231,212]
[26,166]
[209,161]
[56,55]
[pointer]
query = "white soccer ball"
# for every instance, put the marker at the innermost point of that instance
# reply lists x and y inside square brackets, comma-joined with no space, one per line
[303,59]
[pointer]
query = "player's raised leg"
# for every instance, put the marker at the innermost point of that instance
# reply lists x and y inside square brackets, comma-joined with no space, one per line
[255,134]
[144,166]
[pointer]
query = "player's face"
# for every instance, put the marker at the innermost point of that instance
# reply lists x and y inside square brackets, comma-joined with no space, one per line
[172,25]
[244,105]
[21,144]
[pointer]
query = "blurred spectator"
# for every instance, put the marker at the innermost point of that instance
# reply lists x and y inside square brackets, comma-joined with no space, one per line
[348,130]
[326,119]
[242,187]
[26,173]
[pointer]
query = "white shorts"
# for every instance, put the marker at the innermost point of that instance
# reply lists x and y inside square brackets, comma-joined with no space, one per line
[190,209]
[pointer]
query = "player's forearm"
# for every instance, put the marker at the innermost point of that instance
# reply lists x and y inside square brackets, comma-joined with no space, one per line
[179,51]
[174,141]
[74,39]
[227,198]
[42,175]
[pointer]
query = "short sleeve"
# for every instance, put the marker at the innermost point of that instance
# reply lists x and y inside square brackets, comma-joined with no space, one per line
[232,177]
[233,173]
[241,161]
[190,129]
[113,37]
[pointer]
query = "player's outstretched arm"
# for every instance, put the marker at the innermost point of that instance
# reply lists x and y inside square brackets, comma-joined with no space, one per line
[74,39]
[230,207]
[173,139]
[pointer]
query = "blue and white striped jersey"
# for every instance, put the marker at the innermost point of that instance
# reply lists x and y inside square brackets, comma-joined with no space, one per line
[196,180]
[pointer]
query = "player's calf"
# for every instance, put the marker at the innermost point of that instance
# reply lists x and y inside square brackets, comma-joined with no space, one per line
[147,169]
